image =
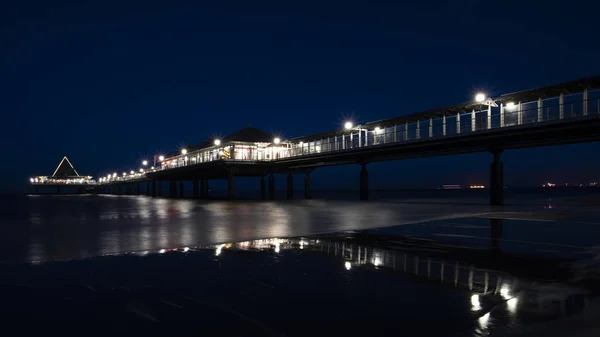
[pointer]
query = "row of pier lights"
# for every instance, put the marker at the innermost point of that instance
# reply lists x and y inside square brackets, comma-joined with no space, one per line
[480,98]
[348,125]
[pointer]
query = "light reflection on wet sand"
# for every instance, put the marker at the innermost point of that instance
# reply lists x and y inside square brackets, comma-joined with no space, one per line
[70,227]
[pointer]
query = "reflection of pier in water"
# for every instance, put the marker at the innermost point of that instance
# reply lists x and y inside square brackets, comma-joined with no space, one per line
[492,278]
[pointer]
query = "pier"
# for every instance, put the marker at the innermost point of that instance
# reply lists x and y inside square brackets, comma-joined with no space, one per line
[552,115]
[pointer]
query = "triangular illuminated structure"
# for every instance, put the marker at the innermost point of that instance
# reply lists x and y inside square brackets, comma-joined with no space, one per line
[65,169]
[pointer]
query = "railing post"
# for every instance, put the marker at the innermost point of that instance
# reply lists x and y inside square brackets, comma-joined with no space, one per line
[406,131]
[489,117]
[418,129]
[458,122]
[585,102]
[561,106]
[395,133]
[501,115]
[430,127]
[473,127]
[444,123]
[519,114]
[540,110]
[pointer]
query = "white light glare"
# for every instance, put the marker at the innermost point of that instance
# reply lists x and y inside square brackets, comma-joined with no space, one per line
[217,142]
[218,250]
[186,249]
[347,265]
[145,162]
[504,291]
[348,125]
[115,175]
[162,251]
[276,140]
[475,303]
[161,158]
[131,172]
[378,129]
[124,174]
[184,151]
[141,170]
[31,179]
[510,106]
[480,97]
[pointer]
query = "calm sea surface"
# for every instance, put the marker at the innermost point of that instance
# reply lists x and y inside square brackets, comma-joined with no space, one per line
[34,228]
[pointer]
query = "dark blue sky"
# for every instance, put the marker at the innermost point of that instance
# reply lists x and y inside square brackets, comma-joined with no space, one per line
[111,83]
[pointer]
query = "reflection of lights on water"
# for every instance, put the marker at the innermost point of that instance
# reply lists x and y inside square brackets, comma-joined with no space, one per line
[511,304]
[218,250]
[377,261]
[277,247]
[347,265]
[475,302]
[504,291]
[186,249]
[162,251]
[483,320]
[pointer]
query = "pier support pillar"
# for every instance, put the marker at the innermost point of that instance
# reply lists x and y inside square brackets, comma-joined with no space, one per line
[231,184]
[181,188]
[271,187]
[496,180]
[263,192]
[159,189]
[196,188]
[148,191]
[307,189]
[138,188]
[206,189]
[290,186]
[364,182]
[202,188]
[153,188]
[172,189]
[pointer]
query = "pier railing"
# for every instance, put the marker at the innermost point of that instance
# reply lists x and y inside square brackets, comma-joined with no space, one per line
[483,118]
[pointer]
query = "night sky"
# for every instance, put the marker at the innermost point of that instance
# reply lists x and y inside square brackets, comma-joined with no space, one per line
[111,83]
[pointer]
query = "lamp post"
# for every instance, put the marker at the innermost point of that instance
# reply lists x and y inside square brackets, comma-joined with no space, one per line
[350,127]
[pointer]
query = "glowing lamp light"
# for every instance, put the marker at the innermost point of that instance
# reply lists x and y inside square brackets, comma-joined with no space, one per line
[276,140]
[301,143]
[131,172]
[124,174]
[145,162]
[114,175]
[186,249]
[480,97]
[141,170]
[510,106]
[377,129]
[217,142]
[184,151]
[161,158]
[31,179]
[348,125]
[347,265]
